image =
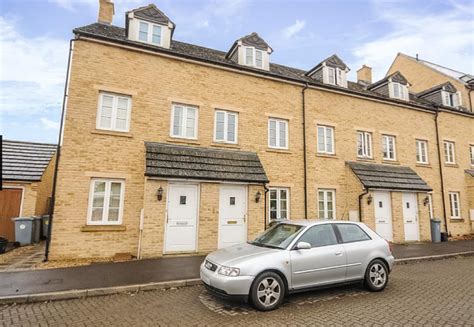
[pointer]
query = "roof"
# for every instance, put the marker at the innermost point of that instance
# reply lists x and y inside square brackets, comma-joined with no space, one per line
[152,14]
[117,34]
[255,40]
[176,161]
[376,176]
[25,161]
[332,61]
[470,172]
[445,86]
[395,77]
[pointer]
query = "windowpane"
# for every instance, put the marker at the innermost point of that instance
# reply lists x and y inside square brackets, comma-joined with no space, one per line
[177,121]
[258,59]
[249,56]
[156,36]
[331,75]
[320,235]
[190,121]
[352,233]
[220,121]
[106,202]
[278,203]
[143,33]
[272,126]
[282,126]
[114,113]
[97,214]
[231,127]
[326,204]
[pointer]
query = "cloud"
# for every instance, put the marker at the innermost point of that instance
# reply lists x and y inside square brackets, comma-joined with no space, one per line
[291,30]
[49,124]
[445,38]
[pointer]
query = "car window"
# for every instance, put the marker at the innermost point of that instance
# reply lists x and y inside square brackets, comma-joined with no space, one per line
[319,235]
[278,236]
[352,233]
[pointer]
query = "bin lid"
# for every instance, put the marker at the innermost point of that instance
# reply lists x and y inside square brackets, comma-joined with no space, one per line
[23,219]
[436,220]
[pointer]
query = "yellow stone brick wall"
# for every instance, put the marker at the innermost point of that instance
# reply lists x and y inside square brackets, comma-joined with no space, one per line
[45,188]
[422,77]
[154,83]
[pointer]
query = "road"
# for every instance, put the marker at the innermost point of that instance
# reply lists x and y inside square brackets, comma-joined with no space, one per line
[432,292]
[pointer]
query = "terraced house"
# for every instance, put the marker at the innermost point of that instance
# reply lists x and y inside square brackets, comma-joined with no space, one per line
[172,148]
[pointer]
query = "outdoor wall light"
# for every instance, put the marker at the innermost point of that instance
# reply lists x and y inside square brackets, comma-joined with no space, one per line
[369,199]
[159,194]
[257,197]
[426,200]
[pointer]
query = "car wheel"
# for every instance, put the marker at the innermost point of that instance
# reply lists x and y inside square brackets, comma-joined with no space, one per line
[268,291]
[376,276]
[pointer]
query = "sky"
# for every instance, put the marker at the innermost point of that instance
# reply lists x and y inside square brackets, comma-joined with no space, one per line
[35,36]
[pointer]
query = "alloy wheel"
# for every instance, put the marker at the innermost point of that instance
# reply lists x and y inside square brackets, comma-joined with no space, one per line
[268,291]
[378,275]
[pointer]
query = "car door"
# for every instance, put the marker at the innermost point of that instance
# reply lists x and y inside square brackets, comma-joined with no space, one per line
[357,246]
[324,263]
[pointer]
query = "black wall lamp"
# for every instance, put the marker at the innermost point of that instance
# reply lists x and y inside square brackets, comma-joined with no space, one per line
[159,194]
[257,197]
[369,199]
[426,200]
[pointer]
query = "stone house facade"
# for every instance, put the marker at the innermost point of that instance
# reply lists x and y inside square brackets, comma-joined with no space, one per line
[172,148]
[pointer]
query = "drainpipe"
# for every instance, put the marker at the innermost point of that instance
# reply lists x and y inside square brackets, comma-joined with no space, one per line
[58,152]
[441,171]
[265,204]
[366,191]
[469,96]
[304,153]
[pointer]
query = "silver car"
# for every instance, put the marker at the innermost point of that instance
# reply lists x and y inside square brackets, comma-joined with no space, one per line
[295,256]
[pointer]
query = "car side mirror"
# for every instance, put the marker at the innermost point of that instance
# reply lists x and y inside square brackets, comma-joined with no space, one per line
[303,246]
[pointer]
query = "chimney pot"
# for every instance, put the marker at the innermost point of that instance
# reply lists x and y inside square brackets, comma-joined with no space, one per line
[106,11]
[364,75]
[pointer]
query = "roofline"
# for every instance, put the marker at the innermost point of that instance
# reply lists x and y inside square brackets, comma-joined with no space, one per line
[173,177]
[247,70]
[9,180]
[28,142]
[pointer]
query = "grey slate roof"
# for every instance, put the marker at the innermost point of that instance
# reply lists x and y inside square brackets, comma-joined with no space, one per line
[25,161]
[396,77]
[176,161]
[376,176]
[445,86]
[470,172]
[332,61]
[152,14]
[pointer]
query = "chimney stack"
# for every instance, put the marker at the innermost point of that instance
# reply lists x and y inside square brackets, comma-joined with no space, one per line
[364,75]
[106,11]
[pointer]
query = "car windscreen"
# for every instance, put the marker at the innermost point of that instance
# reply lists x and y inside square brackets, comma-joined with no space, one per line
[278,236]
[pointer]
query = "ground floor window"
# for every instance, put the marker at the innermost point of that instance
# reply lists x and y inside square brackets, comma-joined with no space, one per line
[279,203]
[326,203]
[454,204]
[106,202]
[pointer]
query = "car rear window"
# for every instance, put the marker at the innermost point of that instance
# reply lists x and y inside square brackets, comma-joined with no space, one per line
[352,233]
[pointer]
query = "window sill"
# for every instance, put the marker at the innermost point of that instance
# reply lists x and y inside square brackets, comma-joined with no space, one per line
[111,133]
[283,151]
[451,165]
[103,228]
[424,165]
[456,220]
[184,141]
[326,155]
[391,162]
[225,145]
[365,159]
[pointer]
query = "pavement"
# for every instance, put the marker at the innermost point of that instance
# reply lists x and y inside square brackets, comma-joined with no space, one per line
[106,278]
[427,293]
[22,258]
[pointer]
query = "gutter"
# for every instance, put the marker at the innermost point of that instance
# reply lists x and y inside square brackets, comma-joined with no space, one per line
[58,152]
[304,154]
[441,172]
[366,191]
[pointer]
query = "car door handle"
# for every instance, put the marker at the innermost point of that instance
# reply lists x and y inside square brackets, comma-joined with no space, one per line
[338,253]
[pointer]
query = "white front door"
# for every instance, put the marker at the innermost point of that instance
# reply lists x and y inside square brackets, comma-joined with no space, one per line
[181,222]
[410,217]
[232,215]
[383,215]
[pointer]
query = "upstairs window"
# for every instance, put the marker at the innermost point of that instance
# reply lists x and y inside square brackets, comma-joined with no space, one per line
[253,57]
[278,133]
[364,144]
[449,154]
[331,75]
[325,139]
[451,99]
[421,151]
[399,91]
[226,126]
[114,112]
[334,76]
[149,33]
[388,147]
[184,121]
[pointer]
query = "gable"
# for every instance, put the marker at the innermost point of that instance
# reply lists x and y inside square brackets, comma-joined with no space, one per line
[152,14]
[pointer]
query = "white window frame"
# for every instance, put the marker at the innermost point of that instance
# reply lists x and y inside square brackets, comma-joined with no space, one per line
[113,123]
[150,32]
[366,144]
[385,143]
[326,129]
[105,211]
[226,126]
[471,153]
[278,200]
[325,201]
[449,158]
[185,121]
[334,72]
[454,205]
[421,145]
[401,89]
[277,126]
[254,57]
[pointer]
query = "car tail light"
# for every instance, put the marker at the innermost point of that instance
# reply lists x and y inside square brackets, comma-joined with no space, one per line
[389,246]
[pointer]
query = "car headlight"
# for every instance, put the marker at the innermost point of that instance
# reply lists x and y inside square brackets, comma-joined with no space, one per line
[228,271]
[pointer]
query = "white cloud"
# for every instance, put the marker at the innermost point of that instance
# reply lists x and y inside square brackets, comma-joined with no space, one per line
[445,38]
[291,30]
[49,124]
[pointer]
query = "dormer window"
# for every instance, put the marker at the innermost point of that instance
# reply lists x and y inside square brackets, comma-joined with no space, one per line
[394,86]
[331,75]
[399,91]
[250,50]
[149,33]
[451,99]
[253,57]
[334,76]
[331,71]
